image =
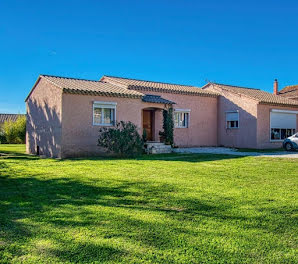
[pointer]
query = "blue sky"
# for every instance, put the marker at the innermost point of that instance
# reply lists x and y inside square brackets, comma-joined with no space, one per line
[246,43]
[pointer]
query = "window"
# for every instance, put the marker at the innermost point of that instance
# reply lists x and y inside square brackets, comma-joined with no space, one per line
[104,113]
[232,119]
[181,118]
[282,124]
[281,133]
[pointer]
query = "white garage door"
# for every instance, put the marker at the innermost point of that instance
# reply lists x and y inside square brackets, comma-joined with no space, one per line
[282,124]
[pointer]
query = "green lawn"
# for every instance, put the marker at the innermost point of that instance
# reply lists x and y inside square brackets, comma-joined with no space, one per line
[155,209]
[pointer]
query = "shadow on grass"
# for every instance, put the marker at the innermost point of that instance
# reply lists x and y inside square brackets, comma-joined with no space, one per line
[193,158]
[135,211]
[17,155]
[66,204]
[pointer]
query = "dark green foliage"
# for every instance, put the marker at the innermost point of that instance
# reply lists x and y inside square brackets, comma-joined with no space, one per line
[122,140]
[144,136]
[15,132]
[2,136]
[167,135]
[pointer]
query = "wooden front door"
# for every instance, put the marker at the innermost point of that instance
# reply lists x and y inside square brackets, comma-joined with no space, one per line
[148,123]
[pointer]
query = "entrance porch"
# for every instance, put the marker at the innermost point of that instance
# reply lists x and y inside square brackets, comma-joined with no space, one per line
[152,123]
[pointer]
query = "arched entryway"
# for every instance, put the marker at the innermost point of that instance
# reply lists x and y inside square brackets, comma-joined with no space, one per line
[152,118]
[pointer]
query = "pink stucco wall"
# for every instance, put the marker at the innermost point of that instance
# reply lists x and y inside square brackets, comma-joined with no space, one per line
[202,130]
[263,128]
[44,117]
[246,135]
[79,135]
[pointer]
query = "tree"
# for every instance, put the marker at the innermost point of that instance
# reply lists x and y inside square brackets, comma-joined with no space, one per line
[15,132]
[2,136]
[168,127]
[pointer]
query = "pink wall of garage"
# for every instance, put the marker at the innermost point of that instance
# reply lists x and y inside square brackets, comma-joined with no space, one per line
[44,119]
[254,121]
[263,127]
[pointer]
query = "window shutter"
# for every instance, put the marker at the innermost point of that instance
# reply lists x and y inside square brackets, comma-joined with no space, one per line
[283,120]
[232,116]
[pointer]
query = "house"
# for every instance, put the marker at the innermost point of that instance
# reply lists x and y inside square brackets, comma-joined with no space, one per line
[9,117]
[65,114]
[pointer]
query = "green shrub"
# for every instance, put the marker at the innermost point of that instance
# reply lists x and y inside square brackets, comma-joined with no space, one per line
[144,136]
[15,132]
[2,136]
[122,140]
[167,135]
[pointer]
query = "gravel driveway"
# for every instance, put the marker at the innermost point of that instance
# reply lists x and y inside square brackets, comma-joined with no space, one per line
[231,151]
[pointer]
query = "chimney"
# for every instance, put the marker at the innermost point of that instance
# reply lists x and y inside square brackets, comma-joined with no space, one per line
[275,87]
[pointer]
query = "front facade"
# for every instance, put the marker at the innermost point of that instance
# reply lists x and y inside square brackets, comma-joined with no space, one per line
[64,114]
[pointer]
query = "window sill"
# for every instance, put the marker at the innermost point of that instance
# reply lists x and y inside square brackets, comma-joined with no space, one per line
[276,140]
[232,128]
[180,127]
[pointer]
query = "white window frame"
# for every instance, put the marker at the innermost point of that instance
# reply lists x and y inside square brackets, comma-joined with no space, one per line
[270,127]
[182,111]
[227,112]
[104,105]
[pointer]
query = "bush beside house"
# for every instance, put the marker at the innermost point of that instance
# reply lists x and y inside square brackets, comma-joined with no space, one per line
[122,140]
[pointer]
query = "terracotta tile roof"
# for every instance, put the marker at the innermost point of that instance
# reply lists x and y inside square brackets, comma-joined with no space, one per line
[289,91]
[149,98]
[258,95]
[81,86]
[142,85]
[9,117]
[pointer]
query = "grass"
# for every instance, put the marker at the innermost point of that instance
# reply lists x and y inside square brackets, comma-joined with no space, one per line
[155,209]
[261,150]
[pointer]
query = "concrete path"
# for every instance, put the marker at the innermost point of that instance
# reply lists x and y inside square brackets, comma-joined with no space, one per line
[231,151]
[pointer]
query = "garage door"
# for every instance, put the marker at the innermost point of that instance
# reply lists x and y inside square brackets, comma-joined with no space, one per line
[282,124]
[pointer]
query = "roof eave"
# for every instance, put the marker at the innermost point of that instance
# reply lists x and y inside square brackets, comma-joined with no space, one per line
[108,94]
[279,104]
[37,81]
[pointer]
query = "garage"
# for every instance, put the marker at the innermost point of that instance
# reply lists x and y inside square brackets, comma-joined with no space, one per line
[282,124]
